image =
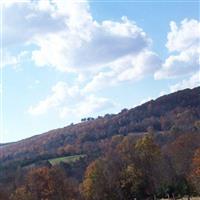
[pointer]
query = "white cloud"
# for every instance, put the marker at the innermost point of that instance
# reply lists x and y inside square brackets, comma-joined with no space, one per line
[187,62]
[96,47]
[192,82]
[76,13]
[100,81]
[59,93]
[45,5]
[183,37]
[185,42]
[67,37]
[143,64]
[163,92]
[63,35]
[9,59]
[28,21]
[67,101]
[146,100]
[70,40]
[129,68]
[90,104]
[8,3]
[13,60]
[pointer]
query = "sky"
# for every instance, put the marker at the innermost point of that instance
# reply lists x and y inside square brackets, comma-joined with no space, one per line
[63,60]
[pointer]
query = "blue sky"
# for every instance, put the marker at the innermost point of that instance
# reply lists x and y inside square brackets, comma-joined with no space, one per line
[65,60]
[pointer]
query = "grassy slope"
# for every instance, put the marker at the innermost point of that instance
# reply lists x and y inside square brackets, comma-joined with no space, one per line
[67,159]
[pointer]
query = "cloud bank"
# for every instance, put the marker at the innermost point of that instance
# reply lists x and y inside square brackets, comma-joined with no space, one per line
[63,35]
[184,44]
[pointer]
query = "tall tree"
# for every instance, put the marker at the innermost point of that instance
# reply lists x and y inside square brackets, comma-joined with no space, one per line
[46,183]
[195,173]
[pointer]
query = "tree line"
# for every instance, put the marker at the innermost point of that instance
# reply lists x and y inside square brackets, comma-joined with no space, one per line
[128,168]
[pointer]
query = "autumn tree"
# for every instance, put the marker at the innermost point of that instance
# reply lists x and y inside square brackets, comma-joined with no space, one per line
[102,179]
[195,173]
[130,172]
[22,193]
[181,152]
[149,161]
[3,194]
[46,183]
[131,182]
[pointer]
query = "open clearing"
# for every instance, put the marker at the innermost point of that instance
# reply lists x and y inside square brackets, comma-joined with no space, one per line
[67,159]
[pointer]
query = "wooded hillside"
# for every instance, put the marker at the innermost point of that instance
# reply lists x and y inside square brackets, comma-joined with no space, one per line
[145,152]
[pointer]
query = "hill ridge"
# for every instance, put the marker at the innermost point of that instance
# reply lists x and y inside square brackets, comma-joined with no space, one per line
[159,114]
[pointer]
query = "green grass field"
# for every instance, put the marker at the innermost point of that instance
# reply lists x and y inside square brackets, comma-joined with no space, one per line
[67,159]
